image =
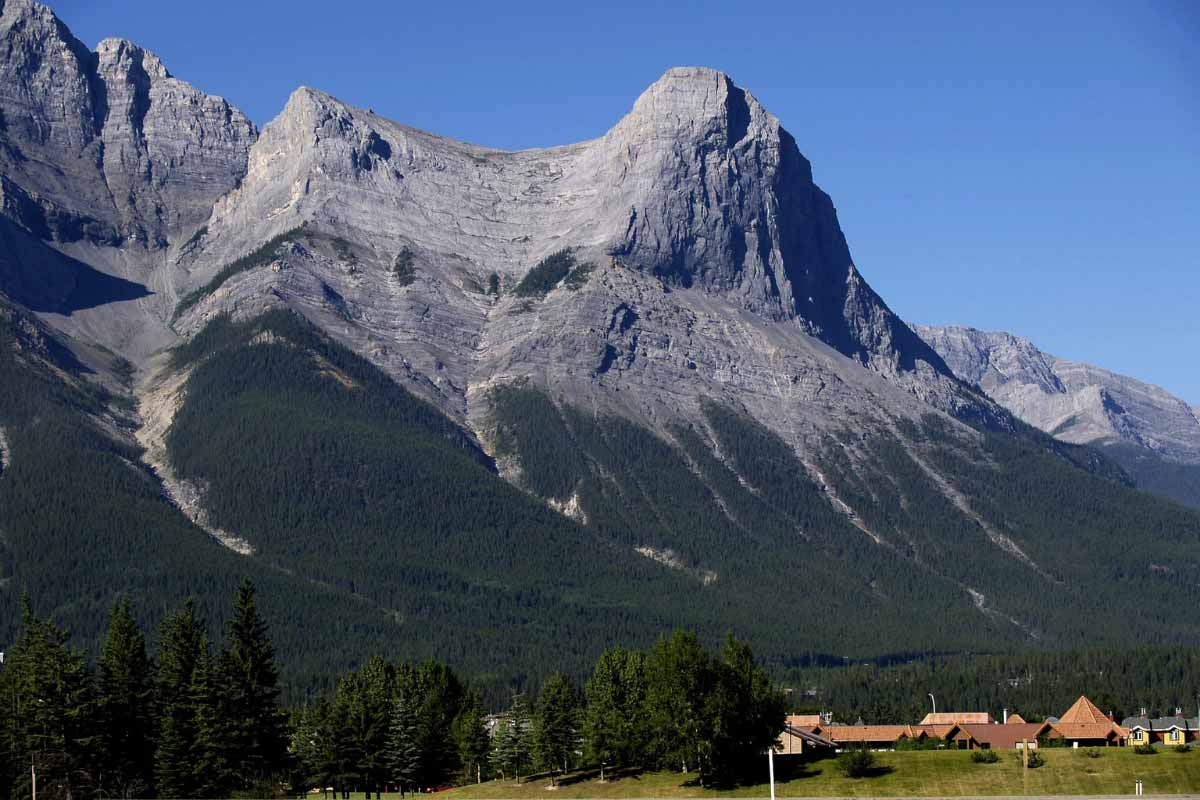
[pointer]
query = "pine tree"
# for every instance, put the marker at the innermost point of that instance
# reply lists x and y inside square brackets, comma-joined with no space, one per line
[403,749]
[555,725]
[471,735]
[215,718]
[679,678]
[125,708]
[182,648]
[614,726]
[257,734]
[518,748]
[50,711]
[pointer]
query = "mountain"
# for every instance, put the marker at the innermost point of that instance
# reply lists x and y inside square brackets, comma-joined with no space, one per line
[1153,434]
[510,407]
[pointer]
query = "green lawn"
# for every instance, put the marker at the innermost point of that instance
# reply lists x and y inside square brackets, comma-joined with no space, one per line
[923,774]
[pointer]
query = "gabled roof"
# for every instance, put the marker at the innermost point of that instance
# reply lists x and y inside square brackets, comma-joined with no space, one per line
[1003,737]
[1084,711]
[933,731]
[1015,719]
[1088,730]
[958,717]
[1161,723]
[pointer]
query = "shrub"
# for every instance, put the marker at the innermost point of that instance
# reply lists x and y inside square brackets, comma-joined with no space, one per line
[546,275]
[493,285]
[856,763]
[985,756]
[403,267]
[1145,749]
[1036,759]
[579,276]
[1183,748]
[1092,752]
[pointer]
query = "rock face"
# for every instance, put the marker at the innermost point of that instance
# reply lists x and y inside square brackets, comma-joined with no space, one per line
[1074,402]
[106,146]
[698,191]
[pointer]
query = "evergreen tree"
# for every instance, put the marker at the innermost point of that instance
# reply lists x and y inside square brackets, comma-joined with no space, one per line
[307,745]
[403,748]
[500,754]
[679,677]
[614,725]
[182,647]
[746,712]
[441,695]
[215,718]
[555,725]
[125,709]
[518,747]
[471,736]
[49,711]
[256,736]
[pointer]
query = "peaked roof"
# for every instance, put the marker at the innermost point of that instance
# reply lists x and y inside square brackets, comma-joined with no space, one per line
[1084,712]
[1004,736]
[804,720]
[1016,719]
[869,733]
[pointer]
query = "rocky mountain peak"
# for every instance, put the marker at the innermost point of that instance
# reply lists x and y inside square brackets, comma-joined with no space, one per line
[700,103]
[121,55]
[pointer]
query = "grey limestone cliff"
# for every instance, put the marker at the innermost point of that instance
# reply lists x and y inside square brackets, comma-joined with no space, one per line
[1072,401]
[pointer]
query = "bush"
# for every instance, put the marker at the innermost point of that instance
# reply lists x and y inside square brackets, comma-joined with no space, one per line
[1036,759]
[856,763]
[985,756]
[546,275]
[1145,749]
[493,285]
[1092,752]
[1183,748]
[403,267]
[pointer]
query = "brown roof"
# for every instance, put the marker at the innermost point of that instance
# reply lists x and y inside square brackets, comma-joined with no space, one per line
[1088,730]
[804,720]
[1015,719]
[869,733]
[958,718]
[1084,711]
[933,731]
[1003,737]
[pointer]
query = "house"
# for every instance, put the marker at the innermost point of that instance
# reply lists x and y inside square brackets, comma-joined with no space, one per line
[1085,725]
[1009,736]
[1167,731]
[958,718]
[802,740]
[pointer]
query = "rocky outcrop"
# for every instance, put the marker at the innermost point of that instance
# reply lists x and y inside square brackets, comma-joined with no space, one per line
[1072,401]
[107,147]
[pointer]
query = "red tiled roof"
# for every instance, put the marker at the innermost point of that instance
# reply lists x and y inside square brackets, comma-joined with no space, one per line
[1015,719]
[1088,730]
[1084,711]
[933,731]
[869,733]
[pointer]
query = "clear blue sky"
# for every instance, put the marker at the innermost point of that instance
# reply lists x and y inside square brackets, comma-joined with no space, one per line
[1022,167]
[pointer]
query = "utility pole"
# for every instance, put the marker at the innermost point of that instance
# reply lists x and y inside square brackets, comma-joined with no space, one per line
[33,777]
[934,701]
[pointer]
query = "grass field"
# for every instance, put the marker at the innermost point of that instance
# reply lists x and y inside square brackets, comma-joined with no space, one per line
[924,774]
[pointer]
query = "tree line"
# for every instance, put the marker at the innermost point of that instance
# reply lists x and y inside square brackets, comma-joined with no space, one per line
[204,719]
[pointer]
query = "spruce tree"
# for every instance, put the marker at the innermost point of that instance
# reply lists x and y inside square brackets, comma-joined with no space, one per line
[614,725]
[215,717]
[49,711]
[403,748]
[182,647]
[257,734]
[555,725]
[125,709]
[519,747]
[472,738]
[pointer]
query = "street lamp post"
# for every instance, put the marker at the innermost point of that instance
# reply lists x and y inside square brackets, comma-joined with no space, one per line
[934,701]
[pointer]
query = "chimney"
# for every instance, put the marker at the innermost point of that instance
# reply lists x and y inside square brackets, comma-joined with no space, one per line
[1006,716]
[1178,711]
